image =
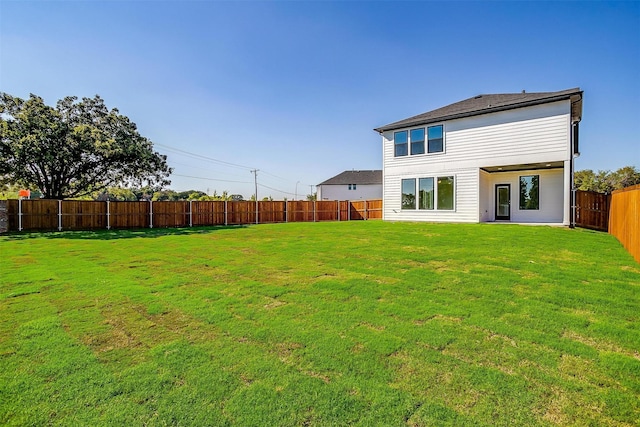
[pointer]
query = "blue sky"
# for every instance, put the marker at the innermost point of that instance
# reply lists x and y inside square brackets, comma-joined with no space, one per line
[295,89]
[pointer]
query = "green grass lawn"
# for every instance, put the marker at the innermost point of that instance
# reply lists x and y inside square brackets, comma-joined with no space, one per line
[358,323]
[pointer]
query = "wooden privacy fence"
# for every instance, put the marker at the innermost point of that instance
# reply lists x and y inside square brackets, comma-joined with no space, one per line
[592,210]
[624,220]
[40,215]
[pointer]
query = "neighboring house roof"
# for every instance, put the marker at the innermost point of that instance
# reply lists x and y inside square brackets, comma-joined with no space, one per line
[355,177]
[483,104]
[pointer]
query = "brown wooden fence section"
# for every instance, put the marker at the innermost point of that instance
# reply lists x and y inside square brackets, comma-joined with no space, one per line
[592,210]
[624,220]
[46,215]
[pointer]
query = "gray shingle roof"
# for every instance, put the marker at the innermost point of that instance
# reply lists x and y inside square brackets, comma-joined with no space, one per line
[483,104]
[355,177]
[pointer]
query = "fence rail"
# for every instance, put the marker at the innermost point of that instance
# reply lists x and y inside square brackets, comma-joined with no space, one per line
[592,210]
[45,215]
[624,220]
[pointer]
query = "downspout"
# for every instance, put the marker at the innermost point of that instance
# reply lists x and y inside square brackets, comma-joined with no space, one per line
[574,154]
[572,186]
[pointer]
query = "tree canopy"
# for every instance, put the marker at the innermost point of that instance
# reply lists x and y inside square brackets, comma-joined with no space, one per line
[74,149]
[606,181]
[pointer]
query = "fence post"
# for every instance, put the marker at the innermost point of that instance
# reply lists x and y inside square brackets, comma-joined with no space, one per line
[366,213]
[150,213]
[338,206]
[20,214]
[4,216]
[225,212]
[108,217]
[190,213]
[349,210]
[59,215]
[286,211]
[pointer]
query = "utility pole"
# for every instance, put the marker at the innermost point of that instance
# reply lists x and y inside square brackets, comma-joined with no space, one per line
[255,181]
[311,191]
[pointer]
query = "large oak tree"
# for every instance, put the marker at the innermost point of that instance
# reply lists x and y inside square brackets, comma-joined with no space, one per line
[74,149]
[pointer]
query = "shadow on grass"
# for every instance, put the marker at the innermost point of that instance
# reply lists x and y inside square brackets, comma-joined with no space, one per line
[119,234]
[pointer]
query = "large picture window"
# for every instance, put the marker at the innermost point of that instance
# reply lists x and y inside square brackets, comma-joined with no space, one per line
[408,194]
[433,193]
[426,193]
[417,141]
[530,192]
[436,139]
[401,144]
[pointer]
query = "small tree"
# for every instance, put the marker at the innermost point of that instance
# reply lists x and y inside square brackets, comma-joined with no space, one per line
[606,181]
[75,149]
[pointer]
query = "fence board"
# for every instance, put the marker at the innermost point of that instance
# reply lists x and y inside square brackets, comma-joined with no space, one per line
[326,210]
[37,215]
[129,214]
[374,209]
[207,212]
[624,220]
[44,215]
[241,213]
[358,210]
[300,211]
[344,207]
[12,214]
[83,215]
[171,214]
[592,210]
[271,211]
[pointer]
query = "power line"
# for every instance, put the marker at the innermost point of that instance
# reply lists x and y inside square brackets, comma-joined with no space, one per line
[275,189]
[210,179]
[211,159]
[200,156]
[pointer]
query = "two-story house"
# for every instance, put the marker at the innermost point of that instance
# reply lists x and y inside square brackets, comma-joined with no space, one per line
[500,157]
[352,185]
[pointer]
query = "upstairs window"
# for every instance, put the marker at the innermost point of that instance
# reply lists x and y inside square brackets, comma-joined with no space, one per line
[530,192]
[401,144]
[417,141]
[435,143]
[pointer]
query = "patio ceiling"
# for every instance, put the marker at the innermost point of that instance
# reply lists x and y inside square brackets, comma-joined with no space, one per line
[524,166]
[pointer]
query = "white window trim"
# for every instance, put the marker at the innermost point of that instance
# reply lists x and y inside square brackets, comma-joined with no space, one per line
[435,193]
[426,141]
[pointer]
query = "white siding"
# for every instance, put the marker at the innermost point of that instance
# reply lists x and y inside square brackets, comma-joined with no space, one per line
[526,135]
[342,192]
[465,204]
[514,137]
[487,197]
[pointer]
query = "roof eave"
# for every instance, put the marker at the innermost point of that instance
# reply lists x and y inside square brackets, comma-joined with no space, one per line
[556,98]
